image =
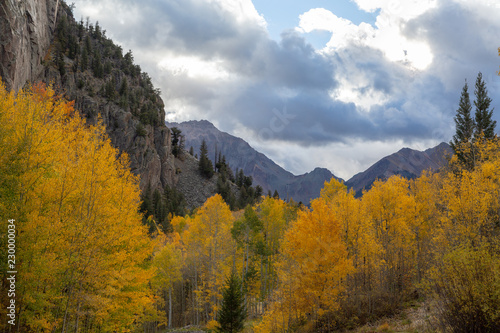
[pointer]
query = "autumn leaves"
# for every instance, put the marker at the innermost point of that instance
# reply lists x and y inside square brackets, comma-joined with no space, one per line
[81,247]
[346,261]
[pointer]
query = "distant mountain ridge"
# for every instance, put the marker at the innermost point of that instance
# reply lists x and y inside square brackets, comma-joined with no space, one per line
[408,163]
[240,155]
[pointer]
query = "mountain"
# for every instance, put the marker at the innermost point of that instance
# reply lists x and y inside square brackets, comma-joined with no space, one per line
[408,163]
[41,41]
[240,155]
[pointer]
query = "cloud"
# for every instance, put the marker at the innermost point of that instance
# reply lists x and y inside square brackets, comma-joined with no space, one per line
[393,83]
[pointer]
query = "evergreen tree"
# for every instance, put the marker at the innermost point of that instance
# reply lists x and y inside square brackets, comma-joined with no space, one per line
[177,141]
[97,66]
[240,178]
[484,123]
[205,165]
[109,89]
[465,125]
[258,191]
[233,312]
[85,60]
[60,63]
[123,87]
[191,151]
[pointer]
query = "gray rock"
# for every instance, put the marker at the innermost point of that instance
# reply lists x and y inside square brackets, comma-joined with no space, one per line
[26,29]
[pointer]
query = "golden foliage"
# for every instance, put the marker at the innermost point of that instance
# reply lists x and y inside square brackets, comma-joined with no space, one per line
[82,248]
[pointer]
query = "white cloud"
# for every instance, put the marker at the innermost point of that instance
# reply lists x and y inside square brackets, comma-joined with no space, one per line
[404,9]
[242,10]
[194,67]
[387,36]
[344,32]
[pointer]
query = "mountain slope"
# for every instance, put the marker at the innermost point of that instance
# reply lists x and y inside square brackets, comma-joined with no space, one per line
[408,163]
[240,155]
[41,41]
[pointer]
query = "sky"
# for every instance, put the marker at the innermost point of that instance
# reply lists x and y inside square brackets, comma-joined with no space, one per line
[318,83]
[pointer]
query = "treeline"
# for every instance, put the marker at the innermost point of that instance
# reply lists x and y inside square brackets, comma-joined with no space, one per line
[213,242]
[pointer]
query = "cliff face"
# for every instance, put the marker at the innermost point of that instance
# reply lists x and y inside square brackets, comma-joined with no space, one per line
[41,41]
[26,28]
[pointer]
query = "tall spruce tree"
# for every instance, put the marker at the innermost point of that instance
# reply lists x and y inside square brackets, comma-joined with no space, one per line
[232,314]
[465,126]
[177,141]
[205,165]
[485,125]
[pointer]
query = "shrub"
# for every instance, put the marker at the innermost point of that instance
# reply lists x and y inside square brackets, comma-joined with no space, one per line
[467,285]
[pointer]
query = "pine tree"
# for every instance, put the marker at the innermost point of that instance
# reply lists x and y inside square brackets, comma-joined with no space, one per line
[465,126]
[177,141]
[233,312]
[205,165]
[464,123]
[84,63]
[484,123]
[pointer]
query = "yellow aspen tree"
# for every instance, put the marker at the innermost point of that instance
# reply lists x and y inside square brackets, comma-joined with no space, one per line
[423,225]
[315,244]
[389,206]
[273,216]
[467,200]
[359,239]
[312,269]
[168,263]
[82,245]
[208,238]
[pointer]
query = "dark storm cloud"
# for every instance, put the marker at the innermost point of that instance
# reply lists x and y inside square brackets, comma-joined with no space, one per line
[290,75]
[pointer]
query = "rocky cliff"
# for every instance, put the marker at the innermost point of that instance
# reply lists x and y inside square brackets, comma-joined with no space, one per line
[40,40]
[26,30]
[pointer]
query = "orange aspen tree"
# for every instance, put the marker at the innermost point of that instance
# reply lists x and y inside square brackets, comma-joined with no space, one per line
[312,269]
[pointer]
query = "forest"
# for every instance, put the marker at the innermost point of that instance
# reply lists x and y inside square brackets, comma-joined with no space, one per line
[86,261]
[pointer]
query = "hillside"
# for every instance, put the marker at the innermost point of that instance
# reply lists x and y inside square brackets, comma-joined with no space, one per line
[408,163]
[240,155]
[41,41]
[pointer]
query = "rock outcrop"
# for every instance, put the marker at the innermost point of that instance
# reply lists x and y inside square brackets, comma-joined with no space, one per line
[41,41]
[26,30]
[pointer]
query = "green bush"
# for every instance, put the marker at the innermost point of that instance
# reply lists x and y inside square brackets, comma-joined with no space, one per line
[467,286]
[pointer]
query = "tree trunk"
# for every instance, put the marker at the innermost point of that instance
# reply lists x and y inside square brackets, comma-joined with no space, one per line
[170,307]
